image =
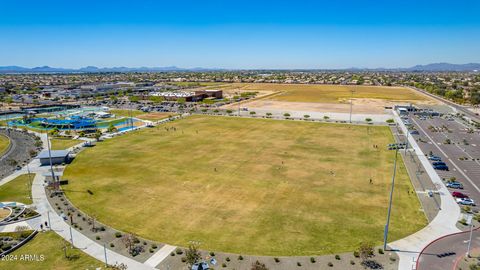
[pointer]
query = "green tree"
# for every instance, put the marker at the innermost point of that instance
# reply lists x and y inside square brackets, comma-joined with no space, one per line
[111,128]
[156,99]
[181,100]
[98,134]
[192,255]
[365,250]
[133,98]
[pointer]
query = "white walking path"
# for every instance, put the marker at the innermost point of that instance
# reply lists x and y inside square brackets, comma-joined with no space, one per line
[444,223]
[160,255]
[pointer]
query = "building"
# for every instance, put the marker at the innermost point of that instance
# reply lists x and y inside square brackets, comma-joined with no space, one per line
[189,96]
[58,157]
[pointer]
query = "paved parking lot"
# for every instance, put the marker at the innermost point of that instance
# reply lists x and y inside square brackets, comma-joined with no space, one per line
[462,154]
[459,148]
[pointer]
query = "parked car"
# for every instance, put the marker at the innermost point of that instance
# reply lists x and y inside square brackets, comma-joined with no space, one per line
[460,195]
[466,201]
[455,185]
[437,163]
[414,132]
[441,167]
[434,158]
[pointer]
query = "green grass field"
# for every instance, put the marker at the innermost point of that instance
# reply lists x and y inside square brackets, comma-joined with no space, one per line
[323,93]
[249,186]
[4,143]
[50,246]
[62,144]
[126,113]
[17,190]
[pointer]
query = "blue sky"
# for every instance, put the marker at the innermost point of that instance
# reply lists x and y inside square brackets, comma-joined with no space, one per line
[239,34]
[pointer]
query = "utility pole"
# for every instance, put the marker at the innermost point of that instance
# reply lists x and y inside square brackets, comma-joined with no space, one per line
[385,235]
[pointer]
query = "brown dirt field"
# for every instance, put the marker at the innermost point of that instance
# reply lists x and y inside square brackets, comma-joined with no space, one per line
[333,102]
[368,106]
[4,213]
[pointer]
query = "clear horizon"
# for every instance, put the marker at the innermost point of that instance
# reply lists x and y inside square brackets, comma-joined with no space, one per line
[250,35]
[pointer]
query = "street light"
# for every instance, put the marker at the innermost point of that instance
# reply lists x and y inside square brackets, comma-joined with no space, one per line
[351,105]
[385,234]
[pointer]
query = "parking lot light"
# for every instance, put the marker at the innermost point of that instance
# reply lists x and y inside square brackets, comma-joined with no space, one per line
[385,235]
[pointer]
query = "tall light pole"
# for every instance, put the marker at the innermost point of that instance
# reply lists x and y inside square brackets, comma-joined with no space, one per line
[385,235]
[470,240]
[351,105]
[51,164]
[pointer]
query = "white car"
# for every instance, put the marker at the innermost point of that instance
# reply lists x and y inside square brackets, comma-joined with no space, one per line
[466,201]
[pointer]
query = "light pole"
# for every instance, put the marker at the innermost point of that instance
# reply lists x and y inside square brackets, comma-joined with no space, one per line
[105,253]
[51,164]
[385,235]
[470,240]
[351,105]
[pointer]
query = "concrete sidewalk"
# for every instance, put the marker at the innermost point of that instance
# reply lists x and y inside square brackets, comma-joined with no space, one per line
[444,223]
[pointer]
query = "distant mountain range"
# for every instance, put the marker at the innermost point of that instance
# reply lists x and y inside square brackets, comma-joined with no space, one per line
[92,69]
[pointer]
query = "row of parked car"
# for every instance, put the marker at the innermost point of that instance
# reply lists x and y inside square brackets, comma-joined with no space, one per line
[460,197]
[437,163]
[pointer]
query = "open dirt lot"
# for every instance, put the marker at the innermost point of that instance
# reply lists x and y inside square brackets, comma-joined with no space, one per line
[329,98]
[249,186]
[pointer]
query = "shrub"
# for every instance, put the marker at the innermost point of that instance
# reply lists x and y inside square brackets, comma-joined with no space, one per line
[392,259]
[184,259]
[102,229]
[150,250]
[112,245]
[276,259]
[337,257]
[240,257]
[299,264]
[380,251]
[352,262]
[98,237]
[312,260]
[224,265]
[154,246]
[356,254]
[144,243]
[212,253]
[227,259]
[172,253]
[118,234]
[330,264]
[178,251]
